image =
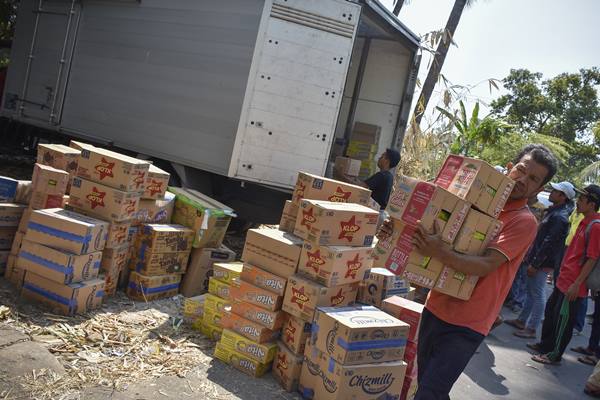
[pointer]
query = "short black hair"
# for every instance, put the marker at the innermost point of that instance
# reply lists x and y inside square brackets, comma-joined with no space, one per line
[541,155]
[394,156]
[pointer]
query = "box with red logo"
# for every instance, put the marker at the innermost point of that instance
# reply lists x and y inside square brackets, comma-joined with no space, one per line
[155,211]
[41,200]
[309,186]
[272,320]
[477,182]
[164,238]
[410,357]
[329,223]
[103,201]
[359,334]
[114,260]
[49,180]
[11,214]
[261,352]
[200,269]
[157,182]
[113,169]
[303,296]
[407,311]
[294,333]
[250,329]
[335,265]
[258,296]
[58,156]
[288,217]
[149,263]
[287,367]
[263,279]
[146,288]
[273,250]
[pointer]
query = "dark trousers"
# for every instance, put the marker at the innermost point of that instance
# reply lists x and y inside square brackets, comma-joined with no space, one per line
[443,352]
[559,320]
[594,342]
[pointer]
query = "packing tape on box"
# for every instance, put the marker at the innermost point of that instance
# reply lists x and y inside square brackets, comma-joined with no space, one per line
[71,303]
[58,233]
[52,265]
[157,289]
[371,344]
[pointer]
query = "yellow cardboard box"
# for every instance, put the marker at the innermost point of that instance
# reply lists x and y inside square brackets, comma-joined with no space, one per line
[218,288]
[216,304]
[241,362]
[263,353]
[227,272]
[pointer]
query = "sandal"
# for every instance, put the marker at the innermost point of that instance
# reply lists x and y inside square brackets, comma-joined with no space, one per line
[588,360]
[525,333]
[582,350]
[534,346]
[543,359]
[515,323]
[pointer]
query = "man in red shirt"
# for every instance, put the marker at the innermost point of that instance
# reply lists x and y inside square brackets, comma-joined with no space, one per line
[571,289]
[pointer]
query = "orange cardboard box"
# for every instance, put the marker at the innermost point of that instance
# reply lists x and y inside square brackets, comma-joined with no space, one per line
[287,367]
[11,214]
[49,180]
[272,250]
[103,201]
[259,297]
[272,320]
[146,288]
[263,279]
[58,156]
[200,269]
[316,187]
[343,224]
[288,217]
[164,238]
[157,181]
[477,182]
[113,169]
[155,211]
[335,265]
[295,332]
[407,311]
[67,230]
[250,329]
[303,296]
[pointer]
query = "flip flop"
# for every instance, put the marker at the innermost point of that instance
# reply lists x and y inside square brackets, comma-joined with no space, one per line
[588,360]
[543,359]
[515,323]
[582,350]
[524,334]
[534,346]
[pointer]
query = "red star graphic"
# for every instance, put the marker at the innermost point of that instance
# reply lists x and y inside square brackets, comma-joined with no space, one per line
[282,363]
[337,299]
[140,178]
[96,198]
[105,169]
[348,229]
[308,217]
[299,297]
[340,195]
[155,187]
[353,266]
[314,260]
[290,331]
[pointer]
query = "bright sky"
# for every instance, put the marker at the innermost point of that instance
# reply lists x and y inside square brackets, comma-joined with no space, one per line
[548,36]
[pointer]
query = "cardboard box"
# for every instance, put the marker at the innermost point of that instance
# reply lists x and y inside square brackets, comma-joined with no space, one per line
[24,190]
[272,250]
[249,329]
[75,298]
[118,231]
[10,214]
[303,296]
[159,211]
[240,362]
[8,189]
[24,221]
[49,180]
[359,335]
[316,187]
[263,279]
[14,274]
[103,201]
[195,280]
[343,224]
[324,379]
[287,367]
[365,133]
[406,311]
[221,289]
[113,169]
[148,263]
[379,284]
[212,318]
[67,230]
[413,200]
[211,332]
[4,260]
[347,166]
[17,241]
[114,260]
[227,272]
[476,233]
[456,284]
[193,307]
[410,358]
[411,295]
[41,200]
[477,182]
[335,265]
[288,217]
[216,304]
[7,237]
[164,238]
[58,156]
[146,288]
[272,320]
[263,353]
[58,265]
[295,333]
[207,217]
[77,145]
[260,297]
[409,388]
[157,181]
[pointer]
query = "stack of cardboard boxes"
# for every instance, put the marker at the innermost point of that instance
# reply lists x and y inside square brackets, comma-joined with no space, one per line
[364,146]
[11,213]
[379,284]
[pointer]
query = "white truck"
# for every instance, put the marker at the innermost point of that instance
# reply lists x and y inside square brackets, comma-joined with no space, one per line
[226,91]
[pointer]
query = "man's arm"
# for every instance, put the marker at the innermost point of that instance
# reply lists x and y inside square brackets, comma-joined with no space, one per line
[583,274]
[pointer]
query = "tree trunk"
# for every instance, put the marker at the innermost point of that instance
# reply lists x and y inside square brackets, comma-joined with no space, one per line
[398,7]
[438,60]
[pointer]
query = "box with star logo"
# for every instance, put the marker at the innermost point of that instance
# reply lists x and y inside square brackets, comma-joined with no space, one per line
[336,224]
[287,367]
[103,201]
[294,333]
[309,186]
[335,265]
[157,181]
[58,156]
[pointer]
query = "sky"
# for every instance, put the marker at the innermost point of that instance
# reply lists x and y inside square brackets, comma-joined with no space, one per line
[494,36]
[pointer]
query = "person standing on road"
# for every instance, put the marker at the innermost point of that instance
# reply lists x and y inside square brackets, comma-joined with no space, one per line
[451,329]
[571,289]
[544,254]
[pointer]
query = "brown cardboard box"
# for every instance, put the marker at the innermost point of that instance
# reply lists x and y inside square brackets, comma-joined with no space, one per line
[193,307]
[263,353]
[366,133]
[8,189]
[58,265]
[359,335]
[10,214]
[221,289]
[260,297]
[113,169]
[118,231]
[67,230]
[316,187]
[240,362]
[7,237]
[49,180]
[410,357]
[41,200]
[14,274]
[250,329]
[164,238]
[4,254]
[335,265]
[272,320]
[295,332]
[103,201]
[287,367]
[409,388]
[456,284]
[24,221]
[263,279]
[160,263]
[324,379]
[58,156]
[477,182]
[407,311]
[24,190]
[272,250]
[207,217]
[413,200]
[347,166]
[303,296]
[343,224]
[288,217]
[195,280]
[216,304]
[75,298]
[157,181]
[146,288]
[227,272]
[157,211]
[17,241]
[379,284]
[77,145]
[114,262]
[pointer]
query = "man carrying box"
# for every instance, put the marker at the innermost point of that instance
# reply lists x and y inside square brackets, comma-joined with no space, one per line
[452,329]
